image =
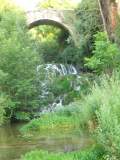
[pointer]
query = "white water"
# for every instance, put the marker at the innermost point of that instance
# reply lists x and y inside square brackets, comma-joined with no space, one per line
[58,69]
[48,72]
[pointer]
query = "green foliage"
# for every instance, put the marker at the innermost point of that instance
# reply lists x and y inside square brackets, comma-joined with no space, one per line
[52,122]
[4,100]
[102,107]
[108,115]
[4,104]
[87,24]
[105,55]
[49,50]
[51,41]
[22,116]
[18,61]
[59,4]
[116,34]
[66,119]
[61,85]
[5,5]
[43,155]
[3,78]
[72,55]
[95,153]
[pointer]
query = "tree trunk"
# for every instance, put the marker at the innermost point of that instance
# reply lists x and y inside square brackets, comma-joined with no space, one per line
[109,13]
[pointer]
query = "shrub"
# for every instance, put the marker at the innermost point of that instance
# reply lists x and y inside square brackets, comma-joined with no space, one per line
[105,55]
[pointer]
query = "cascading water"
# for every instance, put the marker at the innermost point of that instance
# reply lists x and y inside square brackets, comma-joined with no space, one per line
[58,69]
[45,75]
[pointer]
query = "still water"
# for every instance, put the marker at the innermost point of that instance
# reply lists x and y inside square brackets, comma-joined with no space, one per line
[13,145]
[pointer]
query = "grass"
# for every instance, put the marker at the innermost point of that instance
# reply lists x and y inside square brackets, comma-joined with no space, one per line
[95,153]
[52,122]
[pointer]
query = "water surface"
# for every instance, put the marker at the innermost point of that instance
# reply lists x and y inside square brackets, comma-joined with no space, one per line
[13,145]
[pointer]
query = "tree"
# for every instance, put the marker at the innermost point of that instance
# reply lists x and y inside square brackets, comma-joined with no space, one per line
[88,23]
[105,55]
[18,60]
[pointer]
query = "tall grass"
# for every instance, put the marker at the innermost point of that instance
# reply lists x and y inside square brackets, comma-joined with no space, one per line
[102,106]
[93,153]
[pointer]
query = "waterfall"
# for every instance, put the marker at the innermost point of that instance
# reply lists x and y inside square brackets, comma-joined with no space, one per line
[59,69]
[45,74]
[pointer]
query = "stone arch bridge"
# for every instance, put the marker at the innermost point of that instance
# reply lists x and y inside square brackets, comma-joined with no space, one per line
[63,19]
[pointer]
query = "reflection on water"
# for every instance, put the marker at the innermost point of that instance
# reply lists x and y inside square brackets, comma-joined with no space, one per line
[12,145]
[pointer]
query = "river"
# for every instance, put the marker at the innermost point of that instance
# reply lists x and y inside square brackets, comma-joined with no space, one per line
[13,145]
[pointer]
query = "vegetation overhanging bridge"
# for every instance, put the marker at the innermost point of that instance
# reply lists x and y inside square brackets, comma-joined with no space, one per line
[63,19]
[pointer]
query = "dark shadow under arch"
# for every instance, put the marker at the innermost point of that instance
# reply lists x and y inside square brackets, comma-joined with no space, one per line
[51,22]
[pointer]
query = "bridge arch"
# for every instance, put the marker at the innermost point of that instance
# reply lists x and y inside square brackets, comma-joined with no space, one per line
[49,17]
[49,22]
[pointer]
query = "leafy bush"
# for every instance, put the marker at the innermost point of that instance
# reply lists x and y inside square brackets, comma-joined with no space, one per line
[105,55]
